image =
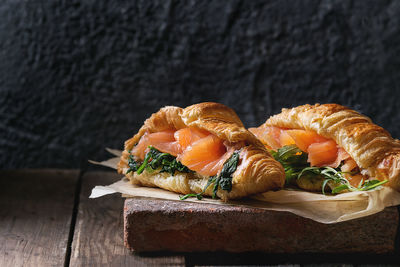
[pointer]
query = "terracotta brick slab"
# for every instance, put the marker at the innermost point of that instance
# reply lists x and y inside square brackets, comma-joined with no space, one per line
[160,225]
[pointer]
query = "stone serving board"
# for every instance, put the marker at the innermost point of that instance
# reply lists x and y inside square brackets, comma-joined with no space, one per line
[163,225]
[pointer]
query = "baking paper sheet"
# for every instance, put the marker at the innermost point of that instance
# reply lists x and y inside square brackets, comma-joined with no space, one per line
[315,206]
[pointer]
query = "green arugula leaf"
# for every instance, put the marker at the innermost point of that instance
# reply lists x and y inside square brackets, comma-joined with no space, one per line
[292,155]
[230,165]
[225,177]
[294,161]
[340,188]
[198,196]
[144,164]
[132,164]
[155,160]
[368,185]
[313,170]
[324,185]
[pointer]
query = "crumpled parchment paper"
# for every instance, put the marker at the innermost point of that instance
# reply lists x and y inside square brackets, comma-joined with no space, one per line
[318,207]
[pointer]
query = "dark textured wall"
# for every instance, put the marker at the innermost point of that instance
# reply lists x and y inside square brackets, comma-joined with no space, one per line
[78,76]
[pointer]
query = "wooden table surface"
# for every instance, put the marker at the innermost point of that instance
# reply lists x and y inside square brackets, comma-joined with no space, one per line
[47,219]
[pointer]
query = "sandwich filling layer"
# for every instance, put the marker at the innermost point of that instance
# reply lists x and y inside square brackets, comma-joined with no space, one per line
[198,150]
[188,150]
[313,162]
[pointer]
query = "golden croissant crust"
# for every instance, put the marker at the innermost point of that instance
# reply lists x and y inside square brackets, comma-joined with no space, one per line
[257,171]
[371,146]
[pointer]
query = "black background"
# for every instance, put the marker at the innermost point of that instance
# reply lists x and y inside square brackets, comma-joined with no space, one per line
[79,76]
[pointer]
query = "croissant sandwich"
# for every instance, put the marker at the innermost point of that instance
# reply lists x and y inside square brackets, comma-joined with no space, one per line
[331,148]
[203,149]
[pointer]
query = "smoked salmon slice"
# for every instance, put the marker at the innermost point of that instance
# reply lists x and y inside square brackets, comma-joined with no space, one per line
[304,138]
[341,155]
[269,135]
[354,180]
[165,142]
[322,153]
[187,136]
[161,137]
[172,148]
[140,149]
[202,152]
[213,167]
[285,139]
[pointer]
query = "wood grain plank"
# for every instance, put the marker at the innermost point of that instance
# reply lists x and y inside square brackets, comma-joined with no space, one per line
[35,215]
[98,237]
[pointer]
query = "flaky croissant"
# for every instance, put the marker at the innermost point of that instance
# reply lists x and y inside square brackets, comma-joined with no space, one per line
[256,172]
[376,153]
